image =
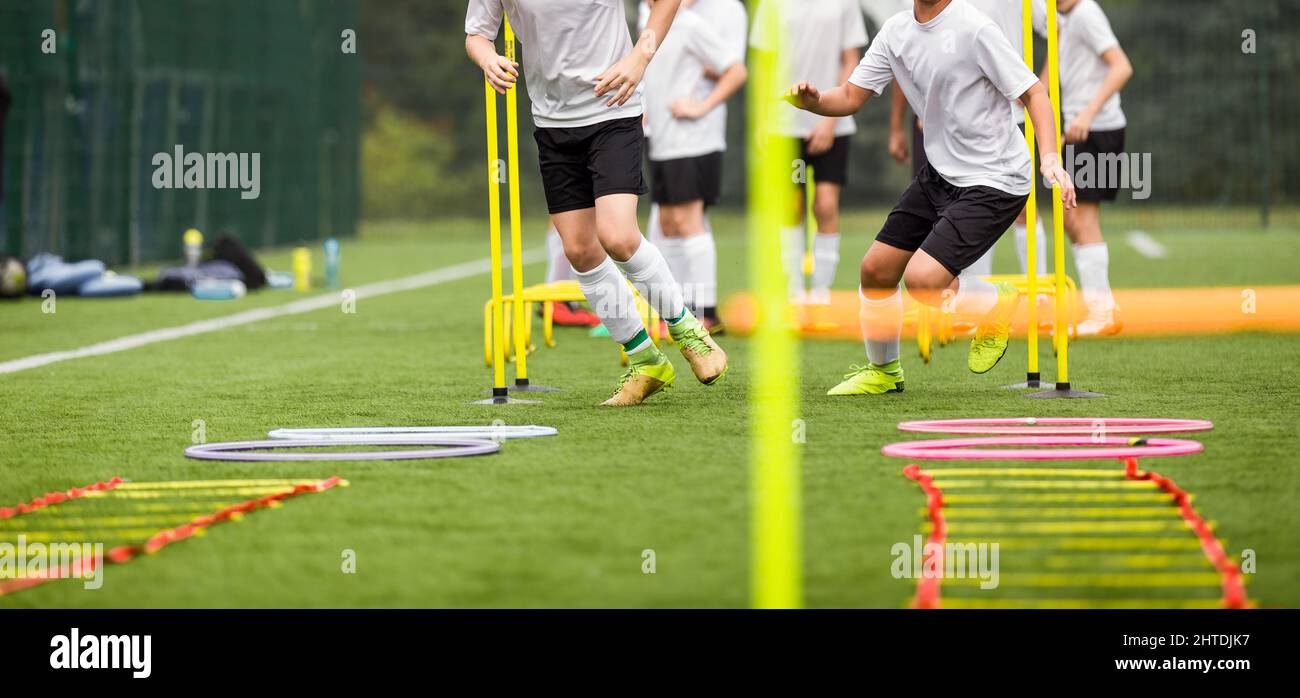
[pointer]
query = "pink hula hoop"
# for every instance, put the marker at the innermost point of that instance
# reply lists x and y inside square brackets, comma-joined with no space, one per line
[972,449]
[1057,426]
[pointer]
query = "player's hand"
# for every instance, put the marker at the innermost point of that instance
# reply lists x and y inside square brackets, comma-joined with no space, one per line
[822,137]
[689,109]
[803,96]
[1056,175]
[620,80]
[1079,127]
[898,145]
[501,73]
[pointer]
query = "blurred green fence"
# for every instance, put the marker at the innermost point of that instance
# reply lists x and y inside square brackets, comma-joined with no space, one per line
[1213,99]
[134,78]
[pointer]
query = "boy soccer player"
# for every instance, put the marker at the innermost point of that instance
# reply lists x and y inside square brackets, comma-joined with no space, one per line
[1094,68]
[687,145]
[1007,14]
[822,41]
[583,72]
[958,70]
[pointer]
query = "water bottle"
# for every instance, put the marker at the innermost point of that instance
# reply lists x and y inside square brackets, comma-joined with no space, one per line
[218,289]
[302,268]
[332,262]
[192,241]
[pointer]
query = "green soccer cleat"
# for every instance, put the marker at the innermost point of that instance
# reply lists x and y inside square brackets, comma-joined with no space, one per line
[871,380]
[642,380]
[994,332]
[708,361]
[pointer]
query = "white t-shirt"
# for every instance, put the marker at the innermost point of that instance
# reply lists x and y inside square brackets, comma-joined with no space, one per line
[690,48]
[959,72]
[565,45]
[1084,35]
[815,33]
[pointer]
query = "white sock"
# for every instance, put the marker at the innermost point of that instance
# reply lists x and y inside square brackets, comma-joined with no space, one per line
[608,295]
[982,266]
[674,252]
[882,325]
[826,259]
[653,231]
[1040,249]
[793,244]
[557,266]
[701,256]
[1093,264]
[648,271]
[975,296]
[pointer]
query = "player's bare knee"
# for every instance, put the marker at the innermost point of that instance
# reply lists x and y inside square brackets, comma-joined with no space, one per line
[877,275]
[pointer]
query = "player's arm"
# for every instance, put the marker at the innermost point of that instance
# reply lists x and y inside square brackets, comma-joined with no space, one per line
[897,113]
[622,78]
[728,82]
[1118,72]
[501,72]
[1039,105]
[844,100]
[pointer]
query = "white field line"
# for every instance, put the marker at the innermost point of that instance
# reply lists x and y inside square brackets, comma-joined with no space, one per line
[443,275]
[1146,245]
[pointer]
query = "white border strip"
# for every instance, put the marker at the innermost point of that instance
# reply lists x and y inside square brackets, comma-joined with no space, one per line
[444,275]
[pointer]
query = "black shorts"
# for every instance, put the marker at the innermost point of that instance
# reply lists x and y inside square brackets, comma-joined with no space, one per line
[1100,184]
[582,164]
[832,165]
[955,225]
[685,180]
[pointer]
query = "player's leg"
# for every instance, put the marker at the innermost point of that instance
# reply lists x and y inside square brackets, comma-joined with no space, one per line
[794,237]
[558,269]
[1083,225]
[680,222]
[700,249]
[1092,261]
[612,300]
[563,155]
[880,300]
[972,221]
[831,174]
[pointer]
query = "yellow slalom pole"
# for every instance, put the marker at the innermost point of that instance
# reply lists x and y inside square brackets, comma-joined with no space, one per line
[494,232]
[1061,325]
[516,236]
[1032,376]
[810,232]
[776,561]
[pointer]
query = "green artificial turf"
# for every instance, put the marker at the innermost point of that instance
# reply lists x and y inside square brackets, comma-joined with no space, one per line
[563,521]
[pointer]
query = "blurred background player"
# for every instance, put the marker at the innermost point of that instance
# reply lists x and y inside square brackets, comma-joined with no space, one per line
[694,73]
[583,77]
[1094,68]
[822,42]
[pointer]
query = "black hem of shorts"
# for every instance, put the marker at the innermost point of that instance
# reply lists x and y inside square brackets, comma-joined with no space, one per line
[565,208]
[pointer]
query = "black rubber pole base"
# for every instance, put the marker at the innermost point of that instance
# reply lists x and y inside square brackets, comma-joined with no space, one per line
[1033,381]
[1063,390]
